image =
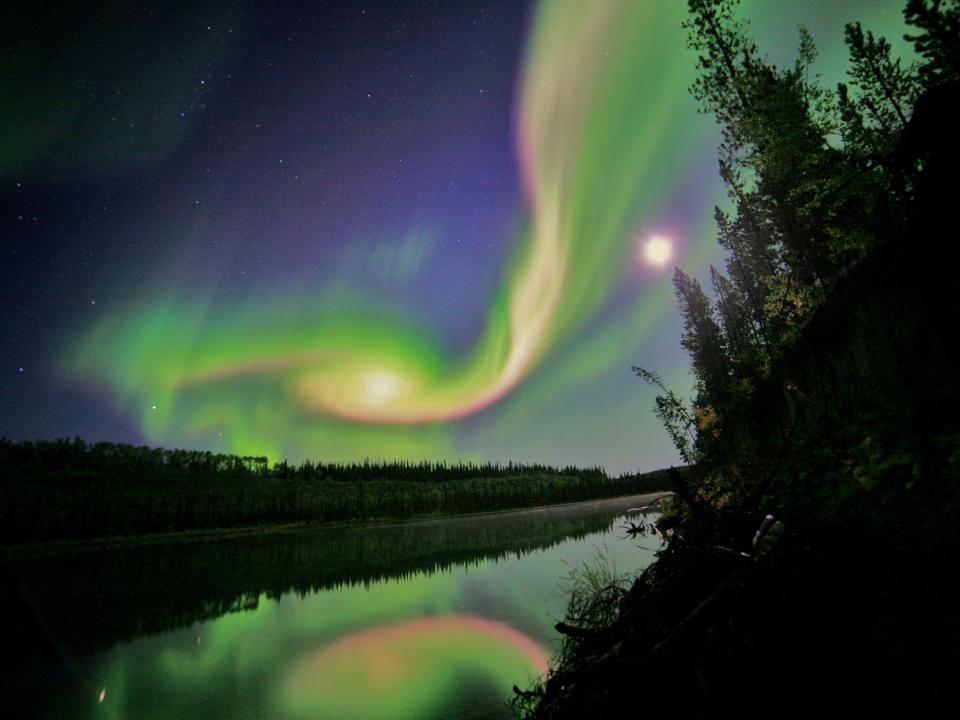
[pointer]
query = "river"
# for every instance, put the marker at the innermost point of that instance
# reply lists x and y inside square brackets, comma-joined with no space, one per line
[431,618]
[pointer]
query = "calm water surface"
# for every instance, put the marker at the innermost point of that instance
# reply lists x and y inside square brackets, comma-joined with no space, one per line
[416,620]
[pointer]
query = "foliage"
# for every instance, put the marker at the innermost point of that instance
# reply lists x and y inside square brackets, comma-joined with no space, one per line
[678,421]
[594,589]
[939,24]
[819,181]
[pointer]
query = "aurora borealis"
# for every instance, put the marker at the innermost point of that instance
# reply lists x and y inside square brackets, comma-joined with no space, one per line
[376,230]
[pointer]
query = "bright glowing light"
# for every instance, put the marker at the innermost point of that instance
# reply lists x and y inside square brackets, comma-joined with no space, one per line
[657,250]
[381,387]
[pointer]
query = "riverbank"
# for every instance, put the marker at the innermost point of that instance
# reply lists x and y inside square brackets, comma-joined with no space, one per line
[72,491]
[860,618]
[27,551]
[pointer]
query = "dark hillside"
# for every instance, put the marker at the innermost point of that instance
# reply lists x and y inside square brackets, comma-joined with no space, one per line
[858,601]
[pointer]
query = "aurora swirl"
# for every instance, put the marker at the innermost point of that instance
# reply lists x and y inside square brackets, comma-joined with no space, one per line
[580,165]
[606,137]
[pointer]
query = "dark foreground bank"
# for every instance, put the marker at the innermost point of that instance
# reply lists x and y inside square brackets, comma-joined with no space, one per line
[857,620]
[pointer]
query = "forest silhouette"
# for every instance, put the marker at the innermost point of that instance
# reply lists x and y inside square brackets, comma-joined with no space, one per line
[69,490]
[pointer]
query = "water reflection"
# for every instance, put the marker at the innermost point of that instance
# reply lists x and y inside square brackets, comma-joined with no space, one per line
[404,670]
[435,618]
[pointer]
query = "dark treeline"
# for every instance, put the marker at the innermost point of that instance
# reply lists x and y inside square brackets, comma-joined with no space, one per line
[76,460]
[68,489]
[825,358]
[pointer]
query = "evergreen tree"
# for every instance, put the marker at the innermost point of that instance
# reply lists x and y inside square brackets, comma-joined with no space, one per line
[703,340]
[939,25]
[816,185]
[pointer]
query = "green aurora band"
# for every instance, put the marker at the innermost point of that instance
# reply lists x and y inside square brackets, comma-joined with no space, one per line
[329,374]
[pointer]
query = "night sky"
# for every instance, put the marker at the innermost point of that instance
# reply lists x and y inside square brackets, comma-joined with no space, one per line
[342,230]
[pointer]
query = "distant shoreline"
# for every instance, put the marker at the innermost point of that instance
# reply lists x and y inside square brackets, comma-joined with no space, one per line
[26,551]
[63,492]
